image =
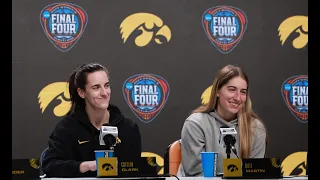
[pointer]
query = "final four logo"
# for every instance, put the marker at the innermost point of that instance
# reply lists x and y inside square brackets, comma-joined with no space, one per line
[224,26]
[63,23]
[146,94]
[295,94]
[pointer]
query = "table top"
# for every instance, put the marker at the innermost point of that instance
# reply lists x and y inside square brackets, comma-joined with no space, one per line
[172,178]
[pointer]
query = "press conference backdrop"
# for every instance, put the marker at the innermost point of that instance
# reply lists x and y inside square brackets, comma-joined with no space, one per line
[162,57]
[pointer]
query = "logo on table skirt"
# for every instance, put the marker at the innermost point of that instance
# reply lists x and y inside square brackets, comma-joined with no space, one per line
[159,160]
[146,95]
[34,162]
[224,26]
[63,23]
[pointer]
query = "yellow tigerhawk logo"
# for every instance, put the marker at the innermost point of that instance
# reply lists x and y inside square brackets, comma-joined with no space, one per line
[298,24]
[294,164]
[55,91]
[159,160]
[34,163]
[150,25]
[205,97]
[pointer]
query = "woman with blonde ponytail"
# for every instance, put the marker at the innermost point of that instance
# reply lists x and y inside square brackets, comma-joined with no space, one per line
[229,105]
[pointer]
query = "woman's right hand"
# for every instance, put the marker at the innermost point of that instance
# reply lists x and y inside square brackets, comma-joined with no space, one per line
[88,166]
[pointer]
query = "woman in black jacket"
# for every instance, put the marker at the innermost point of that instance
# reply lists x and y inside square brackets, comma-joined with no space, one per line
[76,137]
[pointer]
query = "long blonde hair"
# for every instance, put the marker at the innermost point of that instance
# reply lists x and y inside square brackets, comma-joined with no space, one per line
[245,114]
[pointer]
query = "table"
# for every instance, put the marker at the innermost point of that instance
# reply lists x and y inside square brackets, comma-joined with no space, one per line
[173,178]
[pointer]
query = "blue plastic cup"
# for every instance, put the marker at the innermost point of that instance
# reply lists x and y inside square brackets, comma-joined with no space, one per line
[103,154]
[209,163]
[98,154]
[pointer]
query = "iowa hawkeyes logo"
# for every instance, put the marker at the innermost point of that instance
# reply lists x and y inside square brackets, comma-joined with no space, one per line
[205,97]
[298,24]
[232,168]
[274,162]
[34,163]
[151,161]
[159,160]
[294,164]
[55,91]
[150,26]
[107,167]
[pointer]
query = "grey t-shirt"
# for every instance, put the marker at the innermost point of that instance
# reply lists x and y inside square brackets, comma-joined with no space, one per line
[200,133]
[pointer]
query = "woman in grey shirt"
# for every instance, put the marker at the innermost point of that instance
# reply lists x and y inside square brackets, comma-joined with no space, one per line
[229,105]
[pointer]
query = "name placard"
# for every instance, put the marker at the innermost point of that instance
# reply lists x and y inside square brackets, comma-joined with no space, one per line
[252,168]
[138,167]
[117,167]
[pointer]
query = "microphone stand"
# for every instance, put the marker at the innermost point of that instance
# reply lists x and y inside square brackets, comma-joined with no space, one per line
[228,150]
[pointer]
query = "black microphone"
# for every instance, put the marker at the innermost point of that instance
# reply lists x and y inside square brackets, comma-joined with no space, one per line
[228,140]
[108,135]
[109,140]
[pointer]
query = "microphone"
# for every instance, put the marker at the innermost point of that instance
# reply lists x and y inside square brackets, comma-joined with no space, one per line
[108,135]
[228,140]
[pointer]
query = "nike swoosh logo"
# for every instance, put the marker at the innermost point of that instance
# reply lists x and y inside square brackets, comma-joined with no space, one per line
[82,142]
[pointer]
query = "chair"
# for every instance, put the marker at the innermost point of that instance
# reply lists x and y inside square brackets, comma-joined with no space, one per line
[172,158]
[42,156]
[42,175]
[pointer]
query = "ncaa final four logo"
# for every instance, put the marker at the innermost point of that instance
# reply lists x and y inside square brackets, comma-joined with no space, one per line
[63,23]
[295,94]
[224,26]
[146,94]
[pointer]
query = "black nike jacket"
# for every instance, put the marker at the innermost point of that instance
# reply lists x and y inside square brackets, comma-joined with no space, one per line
[74,140]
